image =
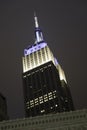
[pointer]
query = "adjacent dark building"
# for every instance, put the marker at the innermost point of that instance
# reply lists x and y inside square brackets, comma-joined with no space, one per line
[45,86]
[3,108]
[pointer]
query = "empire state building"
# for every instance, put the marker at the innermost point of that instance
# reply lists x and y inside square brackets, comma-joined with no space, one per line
[44,83]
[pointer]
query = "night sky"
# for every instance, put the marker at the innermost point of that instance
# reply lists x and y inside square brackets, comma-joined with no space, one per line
[64,25]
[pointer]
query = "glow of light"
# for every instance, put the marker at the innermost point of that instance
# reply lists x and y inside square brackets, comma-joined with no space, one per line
[56,62]
[46,55]
[40,100]
[34,48]
[38,39]
[42,111]
[56,105]
[36,22]
[35,56]
[61,73]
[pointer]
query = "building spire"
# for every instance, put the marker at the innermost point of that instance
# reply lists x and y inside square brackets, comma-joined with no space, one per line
[38,32]
[36,20]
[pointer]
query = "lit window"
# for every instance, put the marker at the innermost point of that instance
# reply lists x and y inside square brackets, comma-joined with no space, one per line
[50,93]
[27,102]
[54,96]
[36,99]
[24,76]
[45,95]
[32,106]
[45,100]
[54,91]
[41,97]
[56,105]
[32,103]
[45,67]
[36,103]
[41,102]
[50,98]
[42,111]
[49,65]
[51,107]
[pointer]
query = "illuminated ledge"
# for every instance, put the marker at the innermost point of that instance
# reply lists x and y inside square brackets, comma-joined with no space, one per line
[39,64]
[34,48]
[36,56]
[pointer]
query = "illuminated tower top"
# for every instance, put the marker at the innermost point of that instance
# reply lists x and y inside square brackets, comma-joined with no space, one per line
[39,41]
[39,53]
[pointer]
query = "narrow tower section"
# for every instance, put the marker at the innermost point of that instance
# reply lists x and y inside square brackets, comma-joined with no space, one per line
[45,86]
[38,32]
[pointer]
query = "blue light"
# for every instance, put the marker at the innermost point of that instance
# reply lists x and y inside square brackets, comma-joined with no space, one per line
[34,48]
[56,62]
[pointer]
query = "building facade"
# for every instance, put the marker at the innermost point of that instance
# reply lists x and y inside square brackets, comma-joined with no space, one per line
[73,120]
[44,82]
[3,108]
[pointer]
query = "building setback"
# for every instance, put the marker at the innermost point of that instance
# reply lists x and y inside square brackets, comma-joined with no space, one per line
[44,82]
[74,120]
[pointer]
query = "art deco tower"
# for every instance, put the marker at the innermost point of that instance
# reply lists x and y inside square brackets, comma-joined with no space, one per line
[45,86]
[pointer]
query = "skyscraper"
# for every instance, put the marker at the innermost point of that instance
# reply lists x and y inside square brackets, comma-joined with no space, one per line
[44,82]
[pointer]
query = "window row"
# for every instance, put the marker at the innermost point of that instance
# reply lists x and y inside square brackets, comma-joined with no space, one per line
[41,99]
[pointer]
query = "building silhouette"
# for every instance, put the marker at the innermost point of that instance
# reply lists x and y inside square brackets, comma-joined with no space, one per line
[3,108]
[44,83]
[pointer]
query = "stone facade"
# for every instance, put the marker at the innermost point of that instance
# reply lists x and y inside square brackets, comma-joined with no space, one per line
[74,120]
